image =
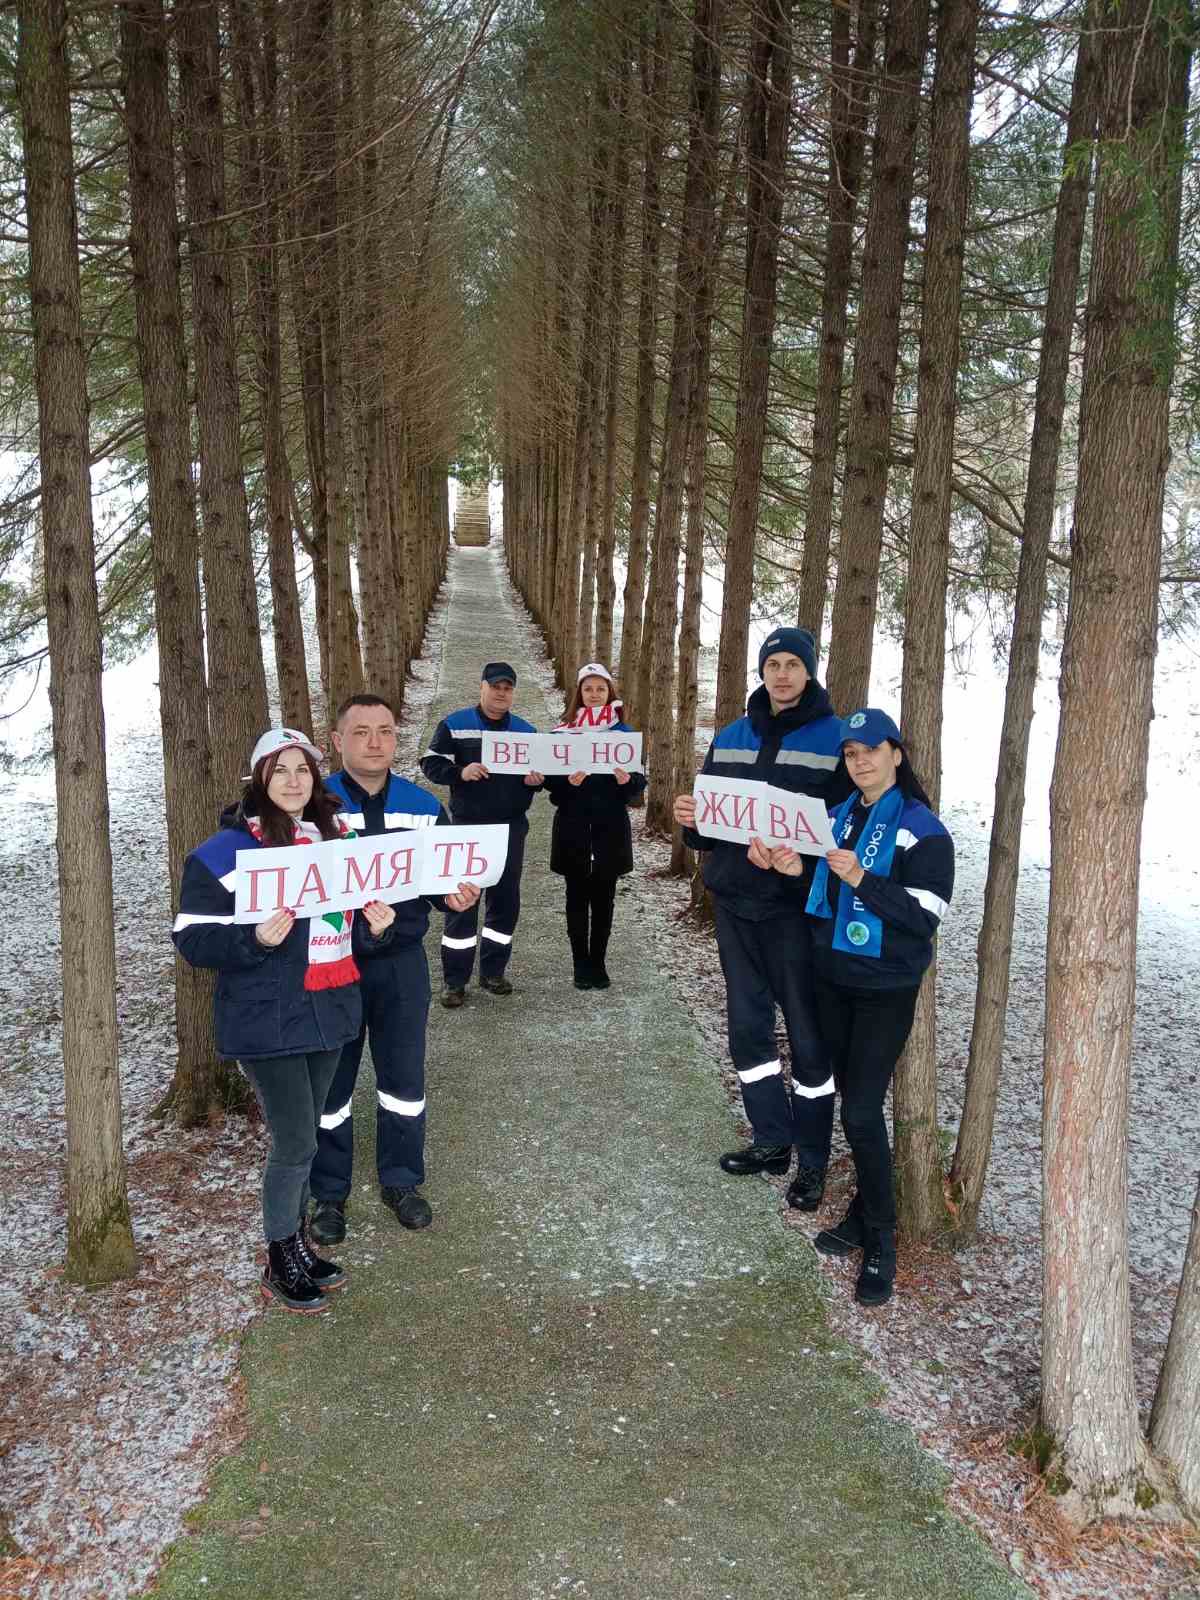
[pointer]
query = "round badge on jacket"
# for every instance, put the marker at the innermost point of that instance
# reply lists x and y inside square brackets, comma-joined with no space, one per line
[857,932]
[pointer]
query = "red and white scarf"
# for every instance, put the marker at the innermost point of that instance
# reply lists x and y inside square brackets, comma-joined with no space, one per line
[330,963]
[592,717]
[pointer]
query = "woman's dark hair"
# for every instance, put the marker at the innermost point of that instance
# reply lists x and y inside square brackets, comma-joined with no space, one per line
[906,779]
[572,710]
[275,823]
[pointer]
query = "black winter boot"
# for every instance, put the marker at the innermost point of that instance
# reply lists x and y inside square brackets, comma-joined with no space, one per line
[326,1275]
[878,1274]
[845,1237]
[602,921]
[284,1278]
[807,1188]
[328,1224]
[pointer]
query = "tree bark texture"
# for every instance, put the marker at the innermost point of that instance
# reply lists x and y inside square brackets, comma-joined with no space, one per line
[876,353]
[768,106]
[693,264]
[973,1151]
[922,1202]
[1089,1403]
[99,1236]
[1175,1420]
[236,680]
[199,1088]
[606,548]
[849,107]
[654,76]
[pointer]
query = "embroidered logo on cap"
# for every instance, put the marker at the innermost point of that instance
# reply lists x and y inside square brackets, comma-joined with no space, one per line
[857,720]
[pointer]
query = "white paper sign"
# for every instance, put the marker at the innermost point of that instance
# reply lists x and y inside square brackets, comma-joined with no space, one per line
[592,750]
[343,874]
[742,809]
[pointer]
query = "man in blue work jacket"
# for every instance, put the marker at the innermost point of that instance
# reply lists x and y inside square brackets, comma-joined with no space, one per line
[395,989]
[477,795]
[790,738]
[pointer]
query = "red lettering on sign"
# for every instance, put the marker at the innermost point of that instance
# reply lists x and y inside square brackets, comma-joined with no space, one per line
[777,825]
[562,752]
[500,754]
[265,872]
[713,808]
[602,752]
[520,754]
[623,755]
[369,881]
[803,831]
[476,863]
[313,884]
[400,863]
[743,812]
[448,847]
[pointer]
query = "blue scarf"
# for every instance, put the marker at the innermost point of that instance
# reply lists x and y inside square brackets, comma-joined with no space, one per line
[858,931]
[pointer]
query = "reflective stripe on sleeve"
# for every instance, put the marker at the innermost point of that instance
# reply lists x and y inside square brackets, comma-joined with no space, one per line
[769,1069]
[186,919]
[402,1108]
[806,758]
[720,754]
[500,938]
[808,1093]
[408,819]
[930,901]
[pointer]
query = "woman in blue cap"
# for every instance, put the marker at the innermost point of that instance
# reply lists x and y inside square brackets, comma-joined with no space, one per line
[876,902]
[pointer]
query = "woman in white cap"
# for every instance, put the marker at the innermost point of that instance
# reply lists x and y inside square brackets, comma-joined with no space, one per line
[287,995]
[592,843]
[876,902]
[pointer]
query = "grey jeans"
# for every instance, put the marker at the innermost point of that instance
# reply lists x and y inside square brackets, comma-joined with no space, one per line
[291,1091]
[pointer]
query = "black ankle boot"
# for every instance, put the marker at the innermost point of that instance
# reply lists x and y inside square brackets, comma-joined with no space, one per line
[326,1275]
[878,1274]
[807,1188]
[284,1278]
[845,1237]
[583,974]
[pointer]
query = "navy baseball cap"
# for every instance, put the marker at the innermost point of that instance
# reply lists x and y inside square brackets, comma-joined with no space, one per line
[499,672]
[869,727]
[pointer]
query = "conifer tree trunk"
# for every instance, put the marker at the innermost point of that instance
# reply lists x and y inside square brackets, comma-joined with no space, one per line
[99,1237]
[201,1086]
[922,1210]
[849,105]
[973,1150]
[693,263]
[768,101]
[876,352]
[1175,1420]
[236,682]
[655,67]
[606,549]
[1089,1402]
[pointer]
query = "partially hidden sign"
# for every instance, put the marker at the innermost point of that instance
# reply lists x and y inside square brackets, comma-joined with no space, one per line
[344,874]
[741,809]
[588,750]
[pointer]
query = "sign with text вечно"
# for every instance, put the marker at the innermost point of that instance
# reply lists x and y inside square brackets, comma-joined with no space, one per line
[556,754]
[343,874]
[741,809]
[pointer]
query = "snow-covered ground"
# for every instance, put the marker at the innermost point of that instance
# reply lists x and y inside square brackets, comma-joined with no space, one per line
[114,1406]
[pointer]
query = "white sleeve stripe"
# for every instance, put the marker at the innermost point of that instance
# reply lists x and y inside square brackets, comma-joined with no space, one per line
[401,1108]
[465,733]
[187,919]
[445,755]
[769,1069]
[813,1091]
[930,901]
[905,839]
[408,819]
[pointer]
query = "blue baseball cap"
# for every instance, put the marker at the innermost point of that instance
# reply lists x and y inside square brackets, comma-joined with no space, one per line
[499,672]
[869,727]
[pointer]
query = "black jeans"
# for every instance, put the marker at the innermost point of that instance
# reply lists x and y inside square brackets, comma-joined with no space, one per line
[291,1091]
[865,1031]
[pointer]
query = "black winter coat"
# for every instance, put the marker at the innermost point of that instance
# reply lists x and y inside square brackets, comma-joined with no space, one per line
[591,823]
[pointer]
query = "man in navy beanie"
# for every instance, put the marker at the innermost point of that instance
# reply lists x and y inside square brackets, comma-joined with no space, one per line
[789,737]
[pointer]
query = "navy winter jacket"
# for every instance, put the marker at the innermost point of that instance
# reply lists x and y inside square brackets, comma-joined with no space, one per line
[457,742]
[400,806]
[910,903]
[261,1006]
[591,821]
[798,750]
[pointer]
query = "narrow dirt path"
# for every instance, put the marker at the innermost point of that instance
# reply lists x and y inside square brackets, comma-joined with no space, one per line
[605,1371]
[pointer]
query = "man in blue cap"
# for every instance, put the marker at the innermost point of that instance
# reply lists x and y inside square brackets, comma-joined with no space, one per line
[477,795]
[789,737]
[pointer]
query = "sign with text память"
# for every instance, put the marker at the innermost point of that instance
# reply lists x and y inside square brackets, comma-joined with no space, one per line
[740,809]
[343,874]
[562,752]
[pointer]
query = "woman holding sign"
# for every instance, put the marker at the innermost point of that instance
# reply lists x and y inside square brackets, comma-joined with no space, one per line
[592,843]
[287,996]
[876,902]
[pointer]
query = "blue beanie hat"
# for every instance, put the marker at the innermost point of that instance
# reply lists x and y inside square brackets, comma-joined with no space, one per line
[869,727]
[790,641]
